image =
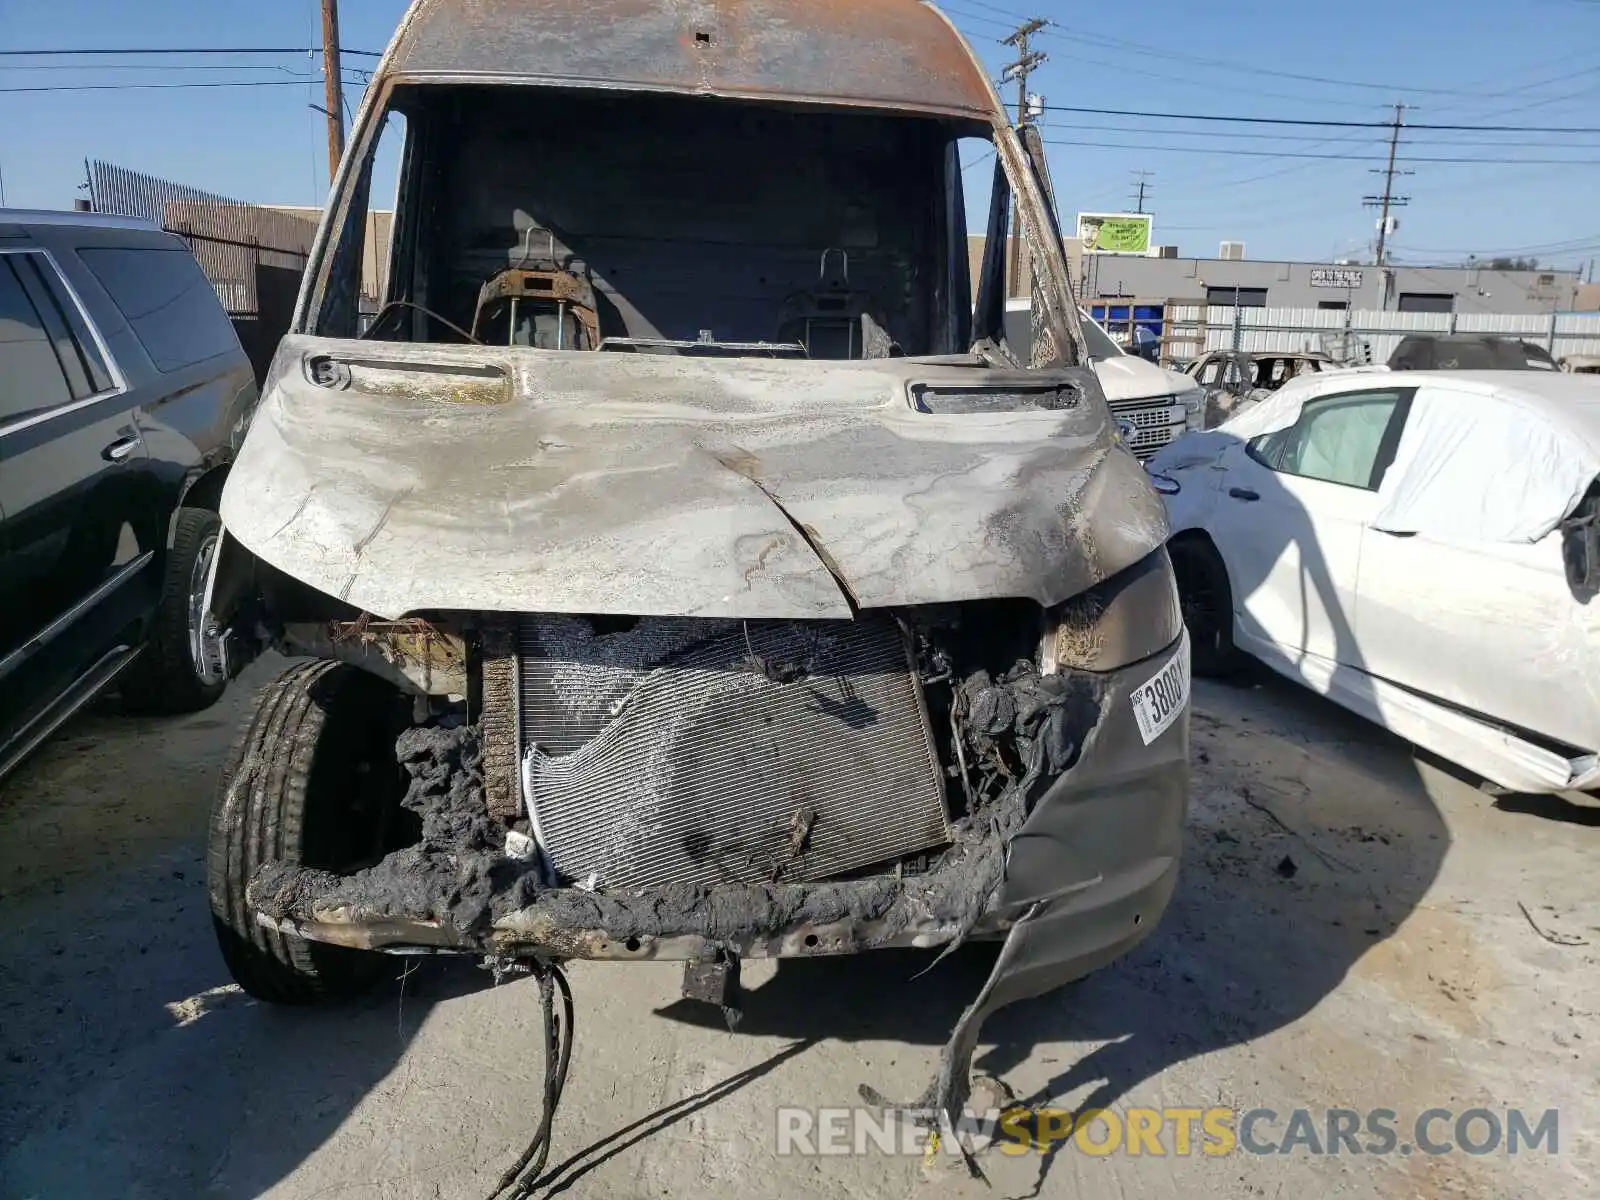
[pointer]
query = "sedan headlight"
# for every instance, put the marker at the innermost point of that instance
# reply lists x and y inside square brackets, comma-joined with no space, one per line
[1124,620]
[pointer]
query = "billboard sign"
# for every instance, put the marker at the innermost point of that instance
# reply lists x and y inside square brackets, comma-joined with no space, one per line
[1336,277]
[1114,233]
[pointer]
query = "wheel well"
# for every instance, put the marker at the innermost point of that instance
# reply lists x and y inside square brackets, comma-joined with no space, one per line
[1199,539]
[206,491]
[1192,536]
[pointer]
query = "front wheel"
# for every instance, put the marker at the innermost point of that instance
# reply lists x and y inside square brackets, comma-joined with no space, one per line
[312,781]
[1207,603]
[182,669]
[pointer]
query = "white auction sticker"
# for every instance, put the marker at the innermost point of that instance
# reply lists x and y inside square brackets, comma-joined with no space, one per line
[1158,703]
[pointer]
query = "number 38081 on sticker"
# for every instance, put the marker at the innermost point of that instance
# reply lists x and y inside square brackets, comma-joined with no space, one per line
[1158,703]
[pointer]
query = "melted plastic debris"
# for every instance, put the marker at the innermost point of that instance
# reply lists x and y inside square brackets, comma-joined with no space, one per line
[1020,732]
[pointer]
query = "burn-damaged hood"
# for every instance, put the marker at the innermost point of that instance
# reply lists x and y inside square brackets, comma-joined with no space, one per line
[406,478]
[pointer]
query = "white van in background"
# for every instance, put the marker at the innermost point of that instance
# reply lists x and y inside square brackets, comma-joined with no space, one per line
[1152,405]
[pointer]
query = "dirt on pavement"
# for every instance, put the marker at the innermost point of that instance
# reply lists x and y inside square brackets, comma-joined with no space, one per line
[1355,929]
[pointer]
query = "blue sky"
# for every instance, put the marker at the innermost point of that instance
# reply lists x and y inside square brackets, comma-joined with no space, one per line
[1461,62]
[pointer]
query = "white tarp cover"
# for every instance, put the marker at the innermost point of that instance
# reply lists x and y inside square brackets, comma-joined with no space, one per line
[1470,466]
[1473,467]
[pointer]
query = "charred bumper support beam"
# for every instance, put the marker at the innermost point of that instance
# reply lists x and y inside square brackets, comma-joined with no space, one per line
[1075,862]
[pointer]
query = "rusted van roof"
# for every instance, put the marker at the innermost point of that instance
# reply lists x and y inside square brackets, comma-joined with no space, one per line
[899,54]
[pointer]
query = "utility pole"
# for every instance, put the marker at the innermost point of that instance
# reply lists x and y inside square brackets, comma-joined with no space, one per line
[333,86]
[1027,62]
[1141,183]
[1388,200]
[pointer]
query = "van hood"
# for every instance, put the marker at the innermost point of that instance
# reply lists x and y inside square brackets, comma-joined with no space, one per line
[406,478]
[1133,378]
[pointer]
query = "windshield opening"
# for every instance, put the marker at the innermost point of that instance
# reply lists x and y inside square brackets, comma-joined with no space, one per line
[639,223]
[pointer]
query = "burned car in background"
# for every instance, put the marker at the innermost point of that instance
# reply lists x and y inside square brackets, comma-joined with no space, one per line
[1232,380]
[689,570]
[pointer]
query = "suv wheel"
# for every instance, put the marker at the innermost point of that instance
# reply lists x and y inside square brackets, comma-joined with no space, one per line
[182,669]
[312,781]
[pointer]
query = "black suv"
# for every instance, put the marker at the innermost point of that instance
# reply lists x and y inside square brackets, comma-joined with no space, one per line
[1469,352]
[123,394]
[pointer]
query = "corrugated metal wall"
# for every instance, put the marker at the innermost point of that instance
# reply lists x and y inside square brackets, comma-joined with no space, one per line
[253,256]
[1377,332]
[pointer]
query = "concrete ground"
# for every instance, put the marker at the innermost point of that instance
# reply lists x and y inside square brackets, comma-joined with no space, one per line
[1350,933]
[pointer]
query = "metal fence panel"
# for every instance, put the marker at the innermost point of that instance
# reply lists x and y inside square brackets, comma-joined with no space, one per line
[232,241]
[1577,333]
[1364,334]
[1533,326]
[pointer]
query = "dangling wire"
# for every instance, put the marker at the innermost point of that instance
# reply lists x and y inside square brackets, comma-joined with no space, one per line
[524,1175]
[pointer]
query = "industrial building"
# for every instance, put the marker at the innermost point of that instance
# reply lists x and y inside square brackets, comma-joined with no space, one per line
[1251,283]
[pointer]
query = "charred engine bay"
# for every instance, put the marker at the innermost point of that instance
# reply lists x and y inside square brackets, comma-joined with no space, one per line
[1002,736]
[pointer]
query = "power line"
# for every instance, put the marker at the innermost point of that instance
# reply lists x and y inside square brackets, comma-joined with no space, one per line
[1221,137]
[963,16]
[163,66]
[1509,128]
[199,83]
[1323,123]
[1240,120]
[131,50]
[1572,244]
[1212,150]
[1123,69]
[1011,15]
[1114,44]
[1141,48]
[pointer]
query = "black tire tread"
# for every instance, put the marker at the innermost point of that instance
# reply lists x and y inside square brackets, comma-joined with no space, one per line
[258,817]
[1221,659]
[162,680]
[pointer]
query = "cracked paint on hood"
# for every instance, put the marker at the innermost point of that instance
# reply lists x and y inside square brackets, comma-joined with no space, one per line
[432,477]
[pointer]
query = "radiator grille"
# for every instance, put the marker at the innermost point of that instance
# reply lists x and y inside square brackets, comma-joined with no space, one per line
[1154,425]
[703,752]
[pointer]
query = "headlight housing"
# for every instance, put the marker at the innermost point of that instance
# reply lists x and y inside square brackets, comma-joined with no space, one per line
[1128,618]
[1194,407]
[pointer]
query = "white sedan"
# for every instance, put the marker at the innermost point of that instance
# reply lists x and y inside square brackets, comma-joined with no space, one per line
[1422,548]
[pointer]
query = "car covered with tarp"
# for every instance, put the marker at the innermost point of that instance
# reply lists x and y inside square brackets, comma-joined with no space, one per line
[1421,547]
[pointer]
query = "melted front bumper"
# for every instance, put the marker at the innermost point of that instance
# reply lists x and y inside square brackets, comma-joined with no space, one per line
[1086,875]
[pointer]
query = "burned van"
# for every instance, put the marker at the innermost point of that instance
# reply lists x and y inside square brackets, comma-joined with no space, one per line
[686,566]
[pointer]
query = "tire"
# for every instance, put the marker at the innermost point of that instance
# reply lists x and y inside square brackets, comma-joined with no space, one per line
[1207,602]
[311,780]
[168,678]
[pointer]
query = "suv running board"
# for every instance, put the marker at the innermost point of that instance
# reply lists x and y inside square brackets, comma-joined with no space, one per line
[84,689]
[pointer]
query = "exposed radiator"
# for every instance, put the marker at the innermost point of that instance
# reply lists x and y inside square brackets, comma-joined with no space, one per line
[711,751]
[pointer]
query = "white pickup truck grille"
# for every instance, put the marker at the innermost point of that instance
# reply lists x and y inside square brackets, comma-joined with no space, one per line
[1155,422]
